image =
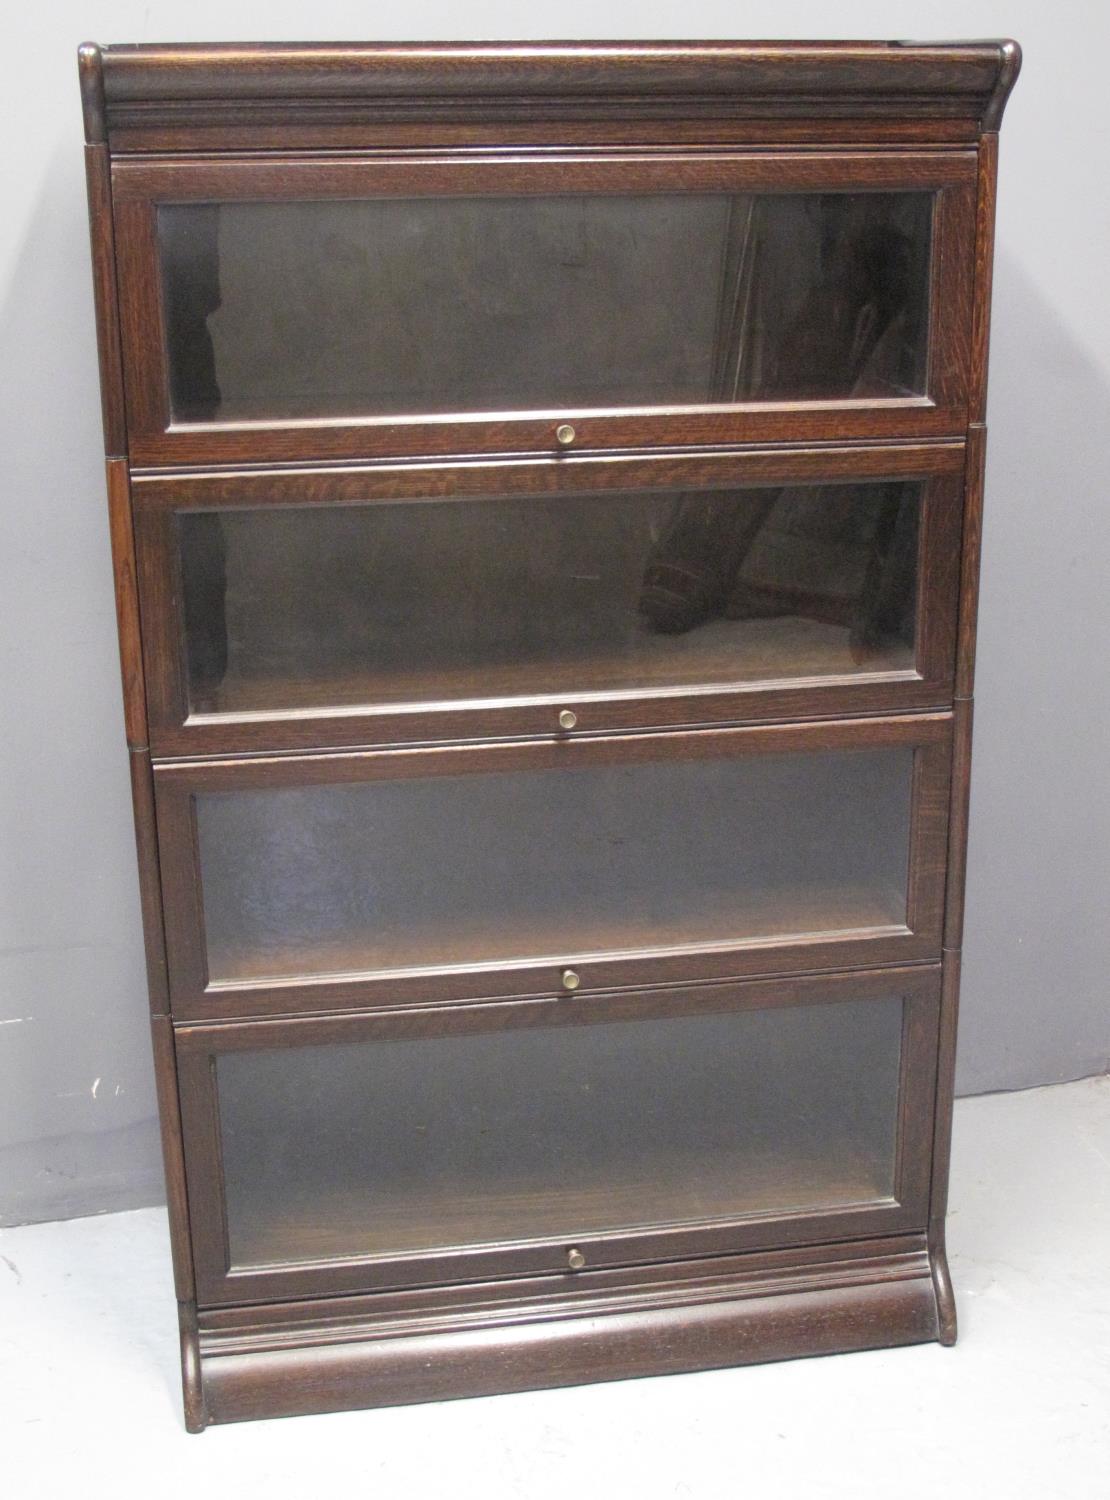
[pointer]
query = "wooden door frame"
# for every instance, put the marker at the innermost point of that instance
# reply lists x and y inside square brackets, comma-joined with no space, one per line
[199,1047]
[176,731]
[138,186]
[195,996]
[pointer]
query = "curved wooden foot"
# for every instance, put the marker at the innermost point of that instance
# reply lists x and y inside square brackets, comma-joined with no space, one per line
[942,1286]
[196,1414]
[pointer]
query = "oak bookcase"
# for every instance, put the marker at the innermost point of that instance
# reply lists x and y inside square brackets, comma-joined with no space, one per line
[545,488]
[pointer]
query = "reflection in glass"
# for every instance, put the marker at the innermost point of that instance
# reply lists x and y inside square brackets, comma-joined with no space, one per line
[409,305]
[557,1131]
[288,608]
[517,865]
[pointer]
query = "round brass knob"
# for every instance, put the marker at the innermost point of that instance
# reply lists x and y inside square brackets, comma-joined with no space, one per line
[564,434]
[567,718]
[571,980]
[575,1259]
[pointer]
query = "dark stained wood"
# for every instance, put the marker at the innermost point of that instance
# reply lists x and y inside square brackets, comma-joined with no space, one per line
[208,180]
[231,123]
[912,418]
[448,1363]
[679,468]
[256,97]
[884,1257]
[161,613]
[847,70]
[942,1142]
[958,825]
[173,1157]
[965,668]
[628,957]
[192,1386]
[90,72]
[328,768]
[165,1076]
[946,1060]
[678,708]
[942,1286]
[971,555]
[141,320]
[599,1325]
[984,274]
[1007,77]
[197,1001]
[952,296]
[382,1021]
[248,127]
[127,604]
[199,1049]
[501,711]
[150,880]
[105,302]
[155,439]
[963,706]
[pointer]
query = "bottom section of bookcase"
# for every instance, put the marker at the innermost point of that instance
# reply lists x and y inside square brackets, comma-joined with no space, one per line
[438,1344]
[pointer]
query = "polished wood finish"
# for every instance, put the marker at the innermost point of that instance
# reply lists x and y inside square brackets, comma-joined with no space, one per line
[287,123]
[173,1156]
[127,604]
[938,74]
[353,718]
[971,554]
[156,438]
[942,1142]
[627,958]
[105,302]
[958,824]
[398,1348]
[984,272]
[348,95]
[200,1048]
[150,881]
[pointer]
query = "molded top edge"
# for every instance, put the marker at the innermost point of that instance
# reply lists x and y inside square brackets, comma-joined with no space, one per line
[263,70]
[188,77]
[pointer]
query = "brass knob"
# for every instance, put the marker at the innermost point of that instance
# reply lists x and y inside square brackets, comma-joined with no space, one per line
[575,1259]
[564,434]
[567,718]
[571,980]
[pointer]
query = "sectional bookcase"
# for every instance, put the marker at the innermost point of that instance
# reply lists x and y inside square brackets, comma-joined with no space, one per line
[545,488]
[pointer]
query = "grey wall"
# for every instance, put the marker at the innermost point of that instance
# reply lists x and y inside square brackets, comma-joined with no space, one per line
[77,1131]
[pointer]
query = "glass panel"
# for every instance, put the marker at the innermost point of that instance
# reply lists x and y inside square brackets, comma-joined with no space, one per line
[399,305]
[289,608]
[535,864]
[557,1132]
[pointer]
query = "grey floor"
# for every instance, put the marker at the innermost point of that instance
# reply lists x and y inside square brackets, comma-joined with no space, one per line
[1021,1407]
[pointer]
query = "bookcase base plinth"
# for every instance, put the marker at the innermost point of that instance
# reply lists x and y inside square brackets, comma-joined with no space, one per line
[395,1349]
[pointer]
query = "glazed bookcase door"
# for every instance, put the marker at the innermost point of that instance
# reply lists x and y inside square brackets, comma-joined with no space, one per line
[308,308]
[297,883]
[530,1138]
[412,602]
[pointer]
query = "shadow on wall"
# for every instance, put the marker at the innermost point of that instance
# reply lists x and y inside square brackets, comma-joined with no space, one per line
[77,1133]
[1037,942]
